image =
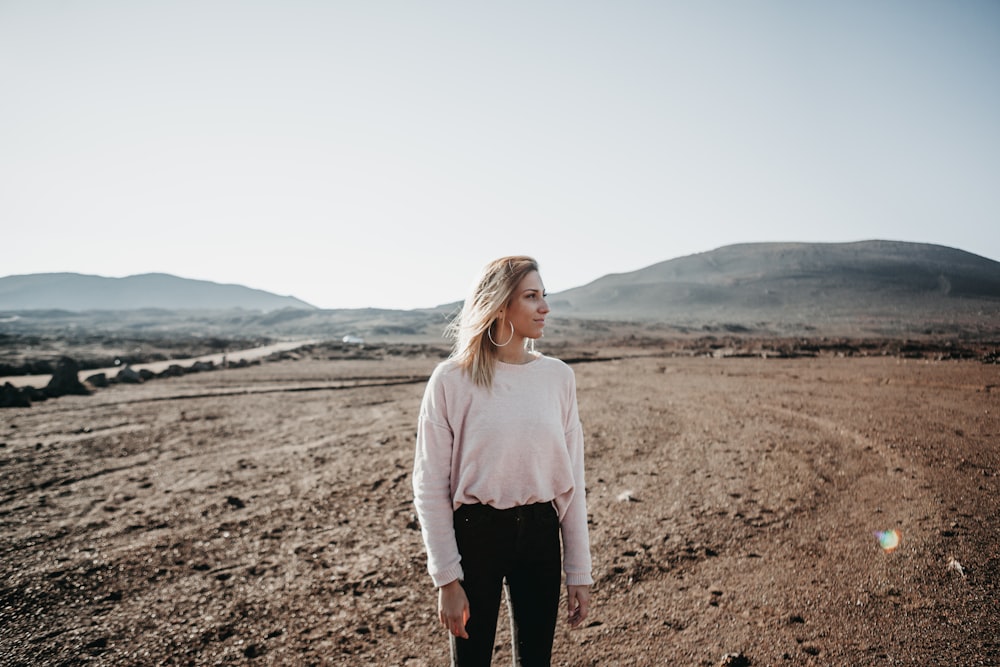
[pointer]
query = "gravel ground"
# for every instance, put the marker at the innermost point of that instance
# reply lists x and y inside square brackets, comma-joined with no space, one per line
[263,515]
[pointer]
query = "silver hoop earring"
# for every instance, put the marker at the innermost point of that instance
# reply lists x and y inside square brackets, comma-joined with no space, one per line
[490,336]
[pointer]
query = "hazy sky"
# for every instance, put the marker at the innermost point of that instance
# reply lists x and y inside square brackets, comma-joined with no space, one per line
[375,153]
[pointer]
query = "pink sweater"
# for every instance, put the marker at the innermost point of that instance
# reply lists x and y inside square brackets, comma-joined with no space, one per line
[518,443]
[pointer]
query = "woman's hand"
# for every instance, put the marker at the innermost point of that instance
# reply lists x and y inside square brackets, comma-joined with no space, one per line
[578,601]
[453,608]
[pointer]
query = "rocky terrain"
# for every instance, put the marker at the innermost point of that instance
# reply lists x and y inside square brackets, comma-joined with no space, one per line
[262,515]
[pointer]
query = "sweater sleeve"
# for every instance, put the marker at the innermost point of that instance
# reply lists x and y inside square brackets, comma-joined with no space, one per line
[576,538]
[432,488]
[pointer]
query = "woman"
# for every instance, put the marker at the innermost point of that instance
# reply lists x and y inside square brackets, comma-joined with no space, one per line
[498,474]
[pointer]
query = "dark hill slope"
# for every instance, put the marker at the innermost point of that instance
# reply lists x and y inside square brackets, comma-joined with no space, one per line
[875,282]
[78,292]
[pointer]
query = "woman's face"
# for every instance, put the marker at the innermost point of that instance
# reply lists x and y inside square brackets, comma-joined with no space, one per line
[527,307]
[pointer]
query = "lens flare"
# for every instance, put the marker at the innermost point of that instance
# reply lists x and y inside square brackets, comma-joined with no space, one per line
[888,540]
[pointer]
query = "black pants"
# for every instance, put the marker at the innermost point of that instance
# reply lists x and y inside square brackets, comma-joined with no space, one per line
[516,549]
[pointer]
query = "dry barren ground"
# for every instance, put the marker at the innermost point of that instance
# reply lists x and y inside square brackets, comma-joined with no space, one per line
[263,516]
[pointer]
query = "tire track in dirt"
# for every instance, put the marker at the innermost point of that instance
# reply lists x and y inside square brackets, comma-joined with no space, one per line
[875,475]
[223,393]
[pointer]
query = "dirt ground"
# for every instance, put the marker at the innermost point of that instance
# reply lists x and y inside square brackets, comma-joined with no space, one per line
[263,516]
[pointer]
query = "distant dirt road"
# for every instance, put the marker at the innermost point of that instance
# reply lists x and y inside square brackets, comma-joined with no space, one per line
[250,354]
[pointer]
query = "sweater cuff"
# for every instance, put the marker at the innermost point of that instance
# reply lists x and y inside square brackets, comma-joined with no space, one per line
[447,575]
[579,579]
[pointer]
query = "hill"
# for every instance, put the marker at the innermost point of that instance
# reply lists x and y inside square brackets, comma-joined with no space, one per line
[77,292]
[865,289]
[876,284]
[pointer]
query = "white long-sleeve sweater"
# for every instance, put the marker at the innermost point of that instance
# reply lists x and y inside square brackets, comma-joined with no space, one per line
[517,443]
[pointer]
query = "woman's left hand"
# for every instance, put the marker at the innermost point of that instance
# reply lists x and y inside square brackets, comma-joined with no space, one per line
[578,601]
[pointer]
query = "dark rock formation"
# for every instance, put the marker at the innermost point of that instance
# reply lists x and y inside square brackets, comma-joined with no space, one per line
[34,395]
[13,397]
[128,375]
[66,379]
[174,370]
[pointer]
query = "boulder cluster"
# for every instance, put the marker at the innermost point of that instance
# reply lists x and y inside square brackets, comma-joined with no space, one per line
[65,381]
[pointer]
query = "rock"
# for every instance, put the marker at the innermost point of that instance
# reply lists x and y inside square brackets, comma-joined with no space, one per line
[146,374]
[254,651]
[199,366]
[173,370]
[66,379]
[734,660]
[128,375]
[98,380]
[34,395]
[13,397]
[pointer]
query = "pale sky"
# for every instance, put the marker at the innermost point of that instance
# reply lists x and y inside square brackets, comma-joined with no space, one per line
[375,153]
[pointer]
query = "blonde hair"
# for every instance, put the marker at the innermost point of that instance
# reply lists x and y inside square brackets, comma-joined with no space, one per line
[473,350]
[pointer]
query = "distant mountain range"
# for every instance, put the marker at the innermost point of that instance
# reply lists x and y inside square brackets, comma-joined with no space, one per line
[866,288]
[798,283]
[79,292]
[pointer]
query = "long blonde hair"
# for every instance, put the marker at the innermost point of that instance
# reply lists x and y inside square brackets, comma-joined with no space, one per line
[473,350]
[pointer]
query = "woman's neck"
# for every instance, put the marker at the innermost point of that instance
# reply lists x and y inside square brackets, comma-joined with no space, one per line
[514,353]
